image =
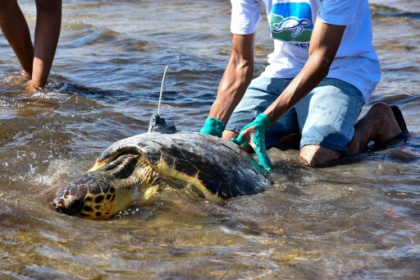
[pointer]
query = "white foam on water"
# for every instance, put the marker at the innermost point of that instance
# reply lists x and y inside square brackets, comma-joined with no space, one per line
[57,171]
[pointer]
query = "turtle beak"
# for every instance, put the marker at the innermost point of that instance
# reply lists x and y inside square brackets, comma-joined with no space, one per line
[58,204]
[70,205]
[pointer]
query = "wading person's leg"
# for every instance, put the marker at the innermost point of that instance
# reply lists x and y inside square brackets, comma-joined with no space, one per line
[16,31]
[47,32]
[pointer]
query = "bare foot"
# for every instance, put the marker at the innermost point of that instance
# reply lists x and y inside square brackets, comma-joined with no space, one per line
[32,86]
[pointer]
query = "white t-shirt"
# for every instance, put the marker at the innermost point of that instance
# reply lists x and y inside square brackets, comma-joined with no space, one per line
[291,23]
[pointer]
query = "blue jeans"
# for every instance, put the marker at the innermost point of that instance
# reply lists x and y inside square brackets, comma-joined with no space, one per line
[325,117]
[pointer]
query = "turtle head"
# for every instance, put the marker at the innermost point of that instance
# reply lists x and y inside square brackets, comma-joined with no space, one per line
[91,196]
[108,188]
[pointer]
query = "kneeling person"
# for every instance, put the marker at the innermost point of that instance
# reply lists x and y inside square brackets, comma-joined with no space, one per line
[322,71]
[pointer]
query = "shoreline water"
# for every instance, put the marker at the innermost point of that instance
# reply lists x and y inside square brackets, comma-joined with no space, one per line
[357,219]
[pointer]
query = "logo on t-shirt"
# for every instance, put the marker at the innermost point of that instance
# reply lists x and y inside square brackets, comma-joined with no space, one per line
[292,22]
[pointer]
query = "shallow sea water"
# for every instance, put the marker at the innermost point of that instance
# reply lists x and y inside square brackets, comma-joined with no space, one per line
[359,219]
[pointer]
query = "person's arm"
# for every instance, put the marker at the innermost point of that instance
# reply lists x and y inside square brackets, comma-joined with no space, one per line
[47,32]
[325,41]
[324,44]
[235,80]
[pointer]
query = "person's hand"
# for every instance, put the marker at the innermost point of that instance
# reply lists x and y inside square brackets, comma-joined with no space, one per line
[254,134]
[213,126]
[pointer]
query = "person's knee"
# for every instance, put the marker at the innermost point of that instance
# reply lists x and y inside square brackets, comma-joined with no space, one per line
[379,109]
[315,155]
[384,123]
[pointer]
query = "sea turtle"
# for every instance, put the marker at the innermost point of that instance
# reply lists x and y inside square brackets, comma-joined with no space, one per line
[134,169]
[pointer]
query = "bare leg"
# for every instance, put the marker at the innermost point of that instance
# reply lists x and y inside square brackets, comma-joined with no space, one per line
[47,32]
[379,125]
[16,31]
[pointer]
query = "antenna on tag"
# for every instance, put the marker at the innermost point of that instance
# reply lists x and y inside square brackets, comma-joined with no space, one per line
[157,123]
[161,89]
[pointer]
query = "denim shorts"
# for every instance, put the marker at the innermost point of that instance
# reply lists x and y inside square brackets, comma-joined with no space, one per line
[325,117]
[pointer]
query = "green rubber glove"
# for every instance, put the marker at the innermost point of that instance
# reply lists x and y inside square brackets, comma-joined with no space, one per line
[262,124]
[213,126]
